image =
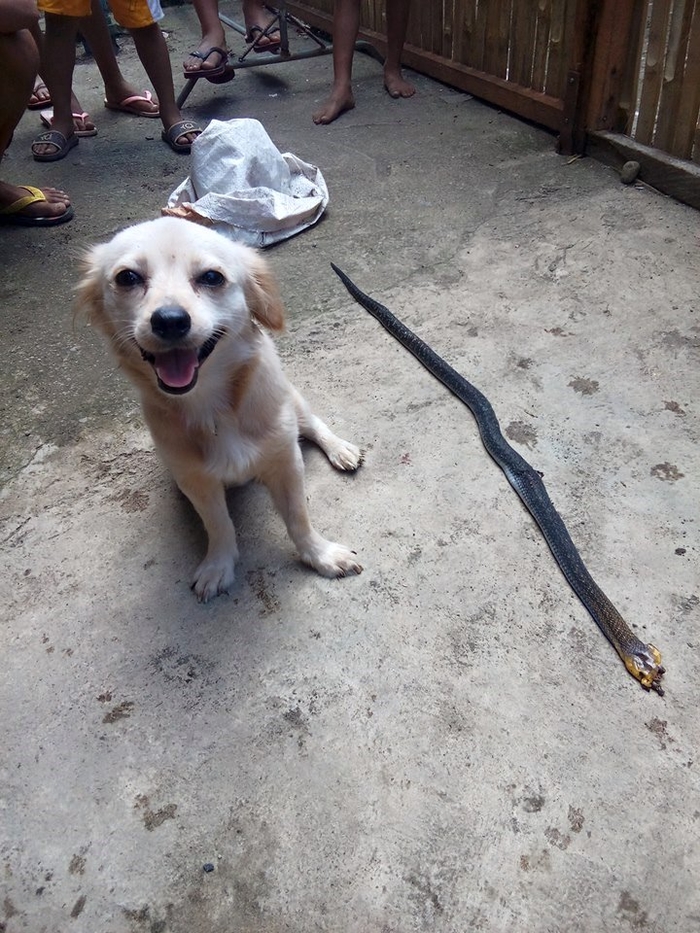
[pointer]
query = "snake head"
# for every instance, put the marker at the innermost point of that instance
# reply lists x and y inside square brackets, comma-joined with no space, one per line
[645,666]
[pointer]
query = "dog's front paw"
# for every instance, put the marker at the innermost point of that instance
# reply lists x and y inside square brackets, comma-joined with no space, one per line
[345,456]
[214,576]
[332,560]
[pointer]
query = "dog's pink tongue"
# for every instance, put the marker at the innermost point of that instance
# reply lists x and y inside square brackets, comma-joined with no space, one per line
[176,368]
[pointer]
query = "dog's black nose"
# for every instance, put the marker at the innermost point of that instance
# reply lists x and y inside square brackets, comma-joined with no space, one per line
[170,322]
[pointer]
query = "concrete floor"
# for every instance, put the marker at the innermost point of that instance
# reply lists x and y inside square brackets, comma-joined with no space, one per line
[446,742]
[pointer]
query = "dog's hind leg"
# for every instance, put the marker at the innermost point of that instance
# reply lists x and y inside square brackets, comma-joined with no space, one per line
[342,454]
[285,480]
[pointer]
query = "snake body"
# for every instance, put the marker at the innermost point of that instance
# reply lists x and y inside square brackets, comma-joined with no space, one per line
[641,660]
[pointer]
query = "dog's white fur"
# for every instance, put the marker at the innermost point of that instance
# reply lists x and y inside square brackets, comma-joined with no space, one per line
[241,418]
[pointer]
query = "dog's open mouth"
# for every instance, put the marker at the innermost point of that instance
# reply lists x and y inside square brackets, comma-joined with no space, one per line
[177,370]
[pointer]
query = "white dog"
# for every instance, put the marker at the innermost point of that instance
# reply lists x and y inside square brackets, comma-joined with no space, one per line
[183,307]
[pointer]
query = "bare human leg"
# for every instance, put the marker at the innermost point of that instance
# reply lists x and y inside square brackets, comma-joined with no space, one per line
[346,25]
[213,37]
[117,88]
[155,58]
[57,64]
[20,57]
[396,25]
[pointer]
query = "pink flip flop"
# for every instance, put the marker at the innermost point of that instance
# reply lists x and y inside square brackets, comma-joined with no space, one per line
[127,105]
[47,120]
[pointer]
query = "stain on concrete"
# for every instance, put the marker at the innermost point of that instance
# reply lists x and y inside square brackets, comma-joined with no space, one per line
[667,472]
[521,433]
[78,906]
[659,728]
[77,865]
[120,711]
[630,910]
[556,838]
[132,500]
[584,386]
[178,666]
[262,584]
[533,803]
[154,818]
[576,819]
[674,407]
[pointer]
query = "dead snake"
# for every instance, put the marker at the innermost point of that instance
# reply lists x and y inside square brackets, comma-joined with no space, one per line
[642,661]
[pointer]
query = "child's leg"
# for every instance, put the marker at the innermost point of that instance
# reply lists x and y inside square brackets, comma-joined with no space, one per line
[212,37]
[153,52]
[396,25]
[57,64]
[20,60]
[346,25]
[117,88]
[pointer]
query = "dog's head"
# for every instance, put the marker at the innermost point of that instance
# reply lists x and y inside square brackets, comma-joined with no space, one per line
[168,292]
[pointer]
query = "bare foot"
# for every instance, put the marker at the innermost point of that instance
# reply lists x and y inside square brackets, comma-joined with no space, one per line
[340,100]
[213,60]
[57,202]
[396,84]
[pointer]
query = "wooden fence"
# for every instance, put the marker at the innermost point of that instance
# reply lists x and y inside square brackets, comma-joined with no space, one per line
[621,77]
[661,97]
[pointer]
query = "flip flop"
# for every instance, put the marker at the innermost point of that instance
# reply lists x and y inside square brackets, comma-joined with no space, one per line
[63,145]
[127,105]
[211,74]
[174,132]
[256,33]
[38,104]
[47,120]
[11,216]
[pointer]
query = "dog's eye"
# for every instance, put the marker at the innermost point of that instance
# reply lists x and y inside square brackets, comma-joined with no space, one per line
[211,279]
[127,278]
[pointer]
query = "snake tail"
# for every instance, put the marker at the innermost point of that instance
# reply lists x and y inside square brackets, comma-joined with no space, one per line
[641,660]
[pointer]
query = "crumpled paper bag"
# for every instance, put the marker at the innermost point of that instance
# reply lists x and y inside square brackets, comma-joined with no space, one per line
[244,187]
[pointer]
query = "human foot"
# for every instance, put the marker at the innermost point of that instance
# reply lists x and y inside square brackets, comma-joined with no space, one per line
[56,143]
[210,54]
[26,206]
[180,135]
[82,124]
[125,98]
[396,84]
[40,96]
[338,102]
[258,21]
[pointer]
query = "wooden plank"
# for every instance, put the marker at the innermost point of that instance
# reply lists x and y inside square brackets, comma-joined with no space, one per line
[480,19]
[676,177]
[673,74]
[560,46]
[498,38]
[654,57]
[614,29]
[683,141]
[522,41]
[448,28]
[541,45]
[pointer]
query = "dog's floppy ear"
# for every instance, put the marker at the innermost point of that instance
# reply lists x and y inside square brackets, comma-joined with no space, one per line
[262,293]
[89,297]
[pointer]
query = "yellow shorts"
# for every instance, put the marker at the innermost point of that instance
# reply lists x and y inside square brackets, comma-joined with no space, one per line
[131,14]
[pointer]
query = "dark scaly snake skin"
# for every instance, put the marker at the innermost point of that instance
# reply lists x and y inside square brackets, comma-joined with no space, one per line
[642,661]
